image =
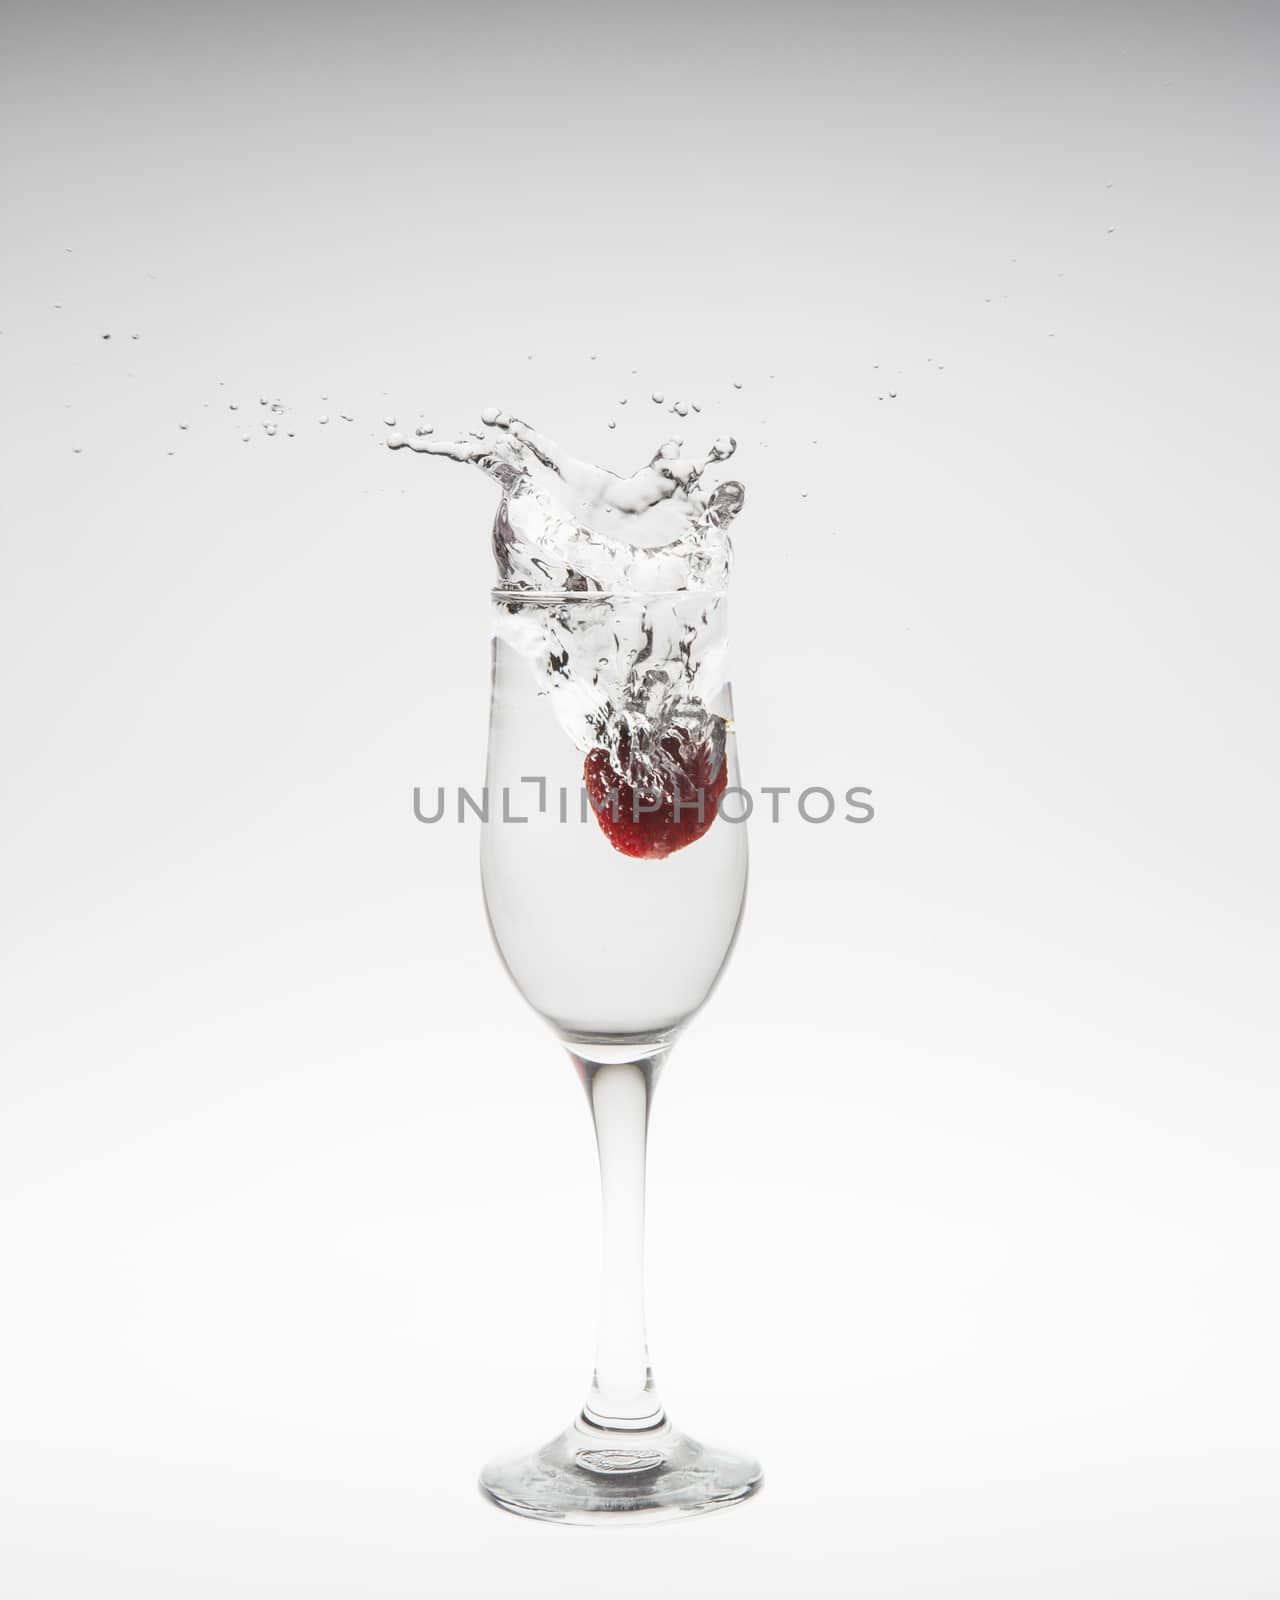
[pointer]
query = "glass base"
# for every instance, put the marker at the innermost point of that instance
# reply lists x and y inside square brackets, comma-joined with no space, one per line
[591,1474]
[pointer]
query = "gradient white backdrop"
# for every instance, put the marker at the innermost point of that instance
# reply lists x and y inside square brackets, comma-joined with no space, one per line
[964,1191]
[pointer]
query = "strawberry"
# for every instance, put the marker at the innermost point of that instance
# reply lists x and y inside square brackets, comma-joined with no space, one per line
[668,812]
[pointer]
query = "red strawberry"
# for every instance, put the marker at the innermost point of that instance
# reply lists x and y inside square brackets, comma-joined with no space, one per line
[673,810]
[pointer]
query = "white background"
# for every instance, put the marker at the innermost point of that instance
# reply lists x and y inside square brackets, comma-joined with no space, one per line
[963,1188]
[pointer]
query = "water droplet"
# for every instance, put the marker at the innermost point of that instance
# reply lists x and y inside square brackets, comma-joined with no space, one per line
[322,420]
[244,438]
[736,384]
[422,430]
[695,405]
[75,449]
[278,407]
[169,452]
[680,409]
[346,416]
[269,428]
[490,415]
[107,335]
[234,405]
[395,440]
[657,397]
[804,494]
[263,400]
[622,402]
[591,358]
[290,433]
[135,336]
[184,426]
[390,422]
[612,423]
[893,394]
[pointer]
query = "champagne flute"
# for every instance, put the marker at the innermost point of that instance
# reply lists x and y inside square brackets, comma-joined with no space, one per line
[616,953]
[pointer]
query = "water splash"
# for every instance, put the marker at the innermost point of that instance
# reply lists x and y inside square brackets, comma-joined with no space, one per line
[565,526]
[613,589]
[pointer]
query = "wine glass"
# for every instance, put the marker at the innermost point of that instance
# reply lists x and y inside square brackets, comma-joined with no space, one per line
[616,953]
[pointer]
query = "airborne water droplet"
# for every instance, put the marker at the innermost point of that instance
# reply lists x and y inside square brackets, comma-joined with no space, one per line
[322,421]
[612,423]
[390,422]
[269,428]
[422,430]
[680,409]
[490,415]
[657,397]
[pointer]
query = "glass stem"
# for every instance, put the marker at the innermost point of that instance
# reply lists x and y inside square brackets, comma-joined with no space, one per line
[622,1395]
